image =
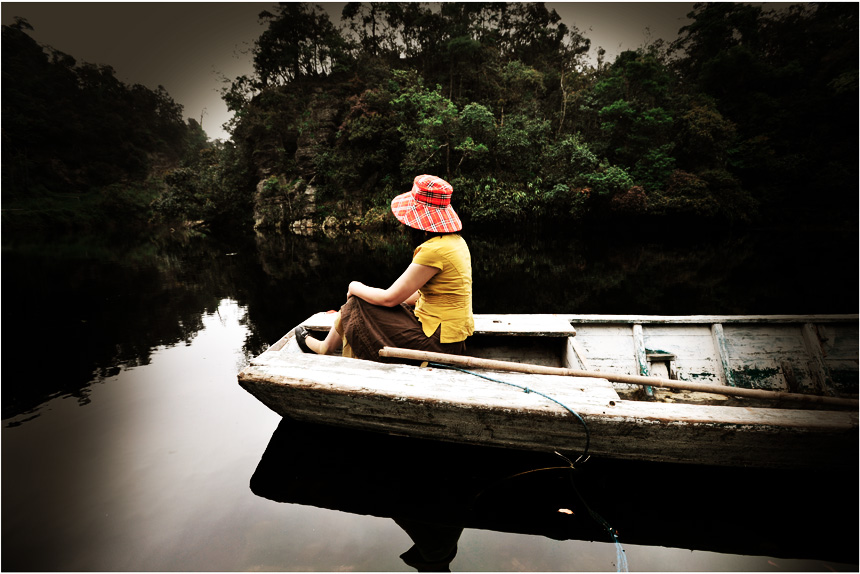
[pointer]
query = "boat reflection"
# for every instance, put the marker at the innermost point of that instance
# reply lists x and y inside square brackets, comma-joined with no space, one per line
[434,490]
[435,545]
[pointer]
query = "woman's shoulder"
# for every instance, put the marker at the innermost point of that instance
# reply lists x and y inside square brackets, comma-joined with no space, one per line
[449,238]
[444,242]
[451,247]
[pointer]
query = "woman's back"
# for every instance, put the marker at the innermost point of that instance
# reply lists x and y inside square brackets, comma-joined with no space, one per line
[446,298]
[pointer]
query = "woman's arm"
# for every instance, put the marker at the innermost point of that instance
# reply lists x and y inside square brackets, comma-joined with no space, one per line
[401,290]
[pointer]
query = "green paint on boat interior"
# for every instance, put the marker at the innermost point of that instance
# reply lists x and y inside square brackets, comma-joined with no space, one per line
[703,375]
[754,378]
[657,352]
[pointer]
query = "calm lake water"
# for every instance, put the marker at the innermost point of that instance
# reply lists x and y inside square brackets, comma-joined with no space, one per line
[127,443]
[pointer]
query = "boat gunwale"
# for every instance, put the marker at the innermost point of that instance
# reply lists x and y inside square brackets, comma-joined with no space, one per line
[624,410]
[816,418]
[713,319]
[315,320]
[624,429]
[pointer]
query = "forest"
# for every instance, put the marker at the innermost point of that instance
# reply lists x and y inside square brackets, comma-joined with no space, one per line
[748,118]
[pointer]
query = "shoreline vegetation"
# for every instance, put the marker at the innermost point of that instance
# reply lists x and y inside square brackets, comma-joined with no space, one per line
[736,123]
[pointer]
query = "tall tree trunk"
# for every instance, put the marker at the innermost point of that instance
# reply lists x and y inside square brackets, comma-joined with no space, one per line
[447,156]
[563,105]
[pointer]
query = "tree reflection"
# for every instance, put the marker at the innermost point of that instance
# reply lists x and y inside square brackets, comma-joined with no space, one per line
[78,311]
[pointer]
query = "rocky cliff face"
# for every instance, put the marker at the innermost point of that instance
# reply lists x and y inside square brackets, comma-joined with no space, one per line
[280,203]
[317,131]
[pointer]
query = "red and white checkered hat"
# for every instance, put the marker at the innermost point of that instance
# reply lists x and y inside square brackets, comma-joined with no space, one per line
[427,206]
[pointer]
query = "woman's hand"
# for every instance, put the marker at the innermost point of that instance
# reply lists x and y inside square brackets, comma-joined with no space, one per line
[412,299]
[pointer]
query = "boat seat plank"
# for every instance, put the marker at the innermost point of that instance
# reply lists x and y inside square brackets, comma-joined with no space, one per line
[542,325]
[545,325]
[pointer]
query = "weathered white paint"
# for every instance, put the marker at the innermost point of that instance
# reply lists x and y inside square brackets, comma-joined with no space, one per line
[575,356]
[820,372]
[710,319]
[608,348]
[472,362]
[447,405]
[722,353]
[641,359]
[450,405]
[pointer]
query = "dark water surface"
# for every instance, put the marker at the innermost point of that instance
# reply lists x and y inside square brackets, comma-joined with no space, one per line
[128,445]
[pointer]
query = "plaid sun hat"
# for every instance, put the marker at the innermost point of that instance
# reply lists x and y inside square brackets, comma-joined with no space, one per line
[427,206]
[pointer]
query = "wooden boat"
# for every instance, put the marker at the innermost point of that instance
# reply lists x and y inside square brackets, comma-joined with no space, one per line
[783,358]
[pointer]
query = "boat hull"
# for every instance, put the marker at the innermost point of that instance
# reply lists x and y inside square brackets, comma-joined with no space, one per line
[457,407]
[574,415]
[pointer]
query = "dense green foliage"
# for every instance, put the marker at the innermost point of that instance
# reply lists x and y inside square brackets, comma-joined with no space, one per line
[737,120]
[80,148]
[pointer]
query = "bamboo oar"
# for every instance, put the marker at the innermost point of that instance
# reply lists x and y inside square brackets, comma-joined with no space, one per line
[475,362]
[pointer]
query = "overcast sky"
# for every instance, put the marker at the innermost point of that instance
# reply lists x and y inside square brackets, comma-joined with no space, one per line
[189,48]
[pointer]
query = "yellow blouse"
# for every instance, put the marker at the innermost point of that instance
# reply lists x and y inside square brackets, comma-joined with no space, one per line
[446,298]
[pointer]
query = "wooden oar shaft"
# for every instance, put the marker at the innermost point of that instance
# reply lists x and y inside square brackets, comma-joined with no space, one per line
[478,363]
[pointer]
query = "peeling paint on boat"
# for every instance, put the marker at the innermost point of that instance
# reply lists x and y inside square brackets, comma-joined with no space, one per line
[754,378]
[688,426]
[705,375]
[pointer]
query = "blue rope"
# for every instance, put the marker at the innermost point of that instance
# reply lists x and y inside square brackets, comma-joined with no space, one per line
[528,390]
[620,555]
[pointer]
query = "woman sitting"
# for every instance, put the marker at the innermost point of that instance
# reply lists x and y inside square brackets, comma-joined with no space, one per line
[429,307]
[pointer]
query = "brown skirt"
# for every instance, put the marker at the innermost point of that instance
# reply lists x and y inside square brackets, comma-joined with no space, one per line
[366,328]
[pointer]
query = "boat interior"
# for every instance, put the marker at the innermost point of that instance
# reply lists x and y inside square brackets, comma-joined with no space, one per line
[814,355]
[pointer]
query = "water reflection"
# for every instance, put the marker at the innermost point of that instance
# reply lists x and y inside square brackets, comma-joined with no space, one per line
[150,476]
[153,473]
[80,312]
[434,491]
[83,310]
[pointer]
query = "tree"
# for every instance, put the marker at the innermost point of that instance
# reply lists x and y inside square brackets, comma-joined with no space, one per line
[427,128]
[69,127]
[634,106]
[787,80]
[300,41]
[375,25]
[81,149]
